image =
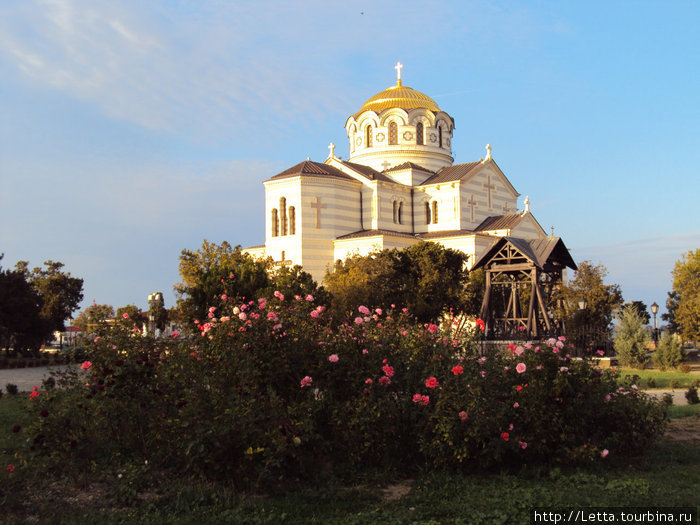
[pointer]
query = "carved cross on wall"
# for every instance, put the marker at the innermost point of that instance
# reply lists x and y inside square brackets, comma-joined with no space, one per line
[471,202]
[386,164]
[488,187]
[506,208]
[318,206]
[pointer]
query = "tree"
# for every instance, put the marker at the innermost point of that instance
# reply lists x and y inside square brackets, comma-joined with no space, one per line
[686,283]
[641,309]
[426,278]
[20,305]
[603,300]
[134,317]
[293,280]
[93,316]
[157,313]
[631,340]
[58,295]
[671,307]
[216,270]
[669,352]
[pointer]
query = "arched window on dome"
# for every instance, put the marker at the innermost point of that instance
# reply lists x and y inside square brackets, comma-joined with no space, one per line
[292,221]
[275,223]
[440,136]
[435,210]
[419,133]
[393,133]
[368,136]
[283,216]
[427,212]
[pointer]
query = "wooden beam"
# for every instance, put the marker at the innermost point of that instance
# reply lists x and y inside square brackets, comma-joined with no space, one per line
[531,315]
[543,307]
[513,267]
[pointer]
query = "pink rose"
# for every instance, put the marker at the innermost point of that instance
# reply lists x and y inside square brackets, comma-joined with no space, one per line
[520,368]
[431,382]
[358,320]
[333,358]
[87,365]
[314,314]
[388,370]
[463,415]
[604,453]
[457,370]
[363,310]
[306,381]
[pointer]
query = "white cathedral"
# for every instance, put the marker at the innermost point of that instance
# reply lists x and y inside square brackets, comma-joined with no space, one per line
[398,187]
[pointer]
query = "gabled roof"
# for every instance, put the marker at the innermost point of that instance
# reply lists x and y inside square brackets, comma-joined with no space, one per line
[444,233]
[373,233]
[451,173]
[368,172]
[309,167]
[407,165]
[538,251]
[499,222]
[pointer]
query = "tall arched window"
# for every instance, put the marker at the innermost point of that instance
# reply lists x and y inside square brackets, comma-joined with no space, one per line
[368,138]
[292,221]
[419,133]
[395,209]
[399,213]
[283,216]
[275,223]
[393,133]
[440,136]
[435,208]
[427,213]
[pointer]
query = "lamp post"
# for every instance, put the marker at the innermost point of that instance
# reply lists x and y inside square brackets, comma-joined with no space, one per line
[581,343]
[655,334]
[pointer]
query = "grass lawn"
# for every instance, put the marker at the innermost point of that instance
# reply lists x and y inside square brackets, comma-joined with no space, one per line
[668,379]
[667,476]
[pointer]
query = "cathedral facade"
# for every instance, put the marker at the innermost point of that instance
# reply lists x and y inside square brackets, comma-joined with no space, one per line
[398,187]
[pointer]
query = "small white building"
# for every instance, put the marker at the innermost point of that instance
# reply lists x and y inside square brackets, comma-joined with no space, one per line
[399,187]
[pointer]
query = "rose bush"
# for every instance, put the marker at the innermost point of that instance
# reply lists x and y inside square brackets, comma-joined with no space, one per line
[271,390]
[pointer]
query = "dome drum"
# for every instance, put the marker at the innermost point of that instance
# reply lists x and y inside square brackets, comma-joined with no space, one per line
[400,125]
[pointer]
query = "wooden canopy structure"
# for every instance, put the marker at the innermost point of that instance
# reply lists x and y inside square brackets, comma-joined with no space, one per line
[522,276]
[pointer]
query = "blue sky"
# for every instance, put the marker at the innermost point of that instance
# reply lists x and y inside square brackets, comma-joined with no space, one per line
[130,130]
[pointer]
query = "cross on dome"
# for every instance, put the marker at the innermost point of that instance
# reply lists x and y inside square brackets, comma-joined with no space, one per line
[331,149]
[398,67]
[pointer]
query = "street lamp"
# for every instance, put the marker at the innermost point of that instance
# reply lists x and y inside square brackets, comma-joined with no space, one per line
[654,310]
[582,329]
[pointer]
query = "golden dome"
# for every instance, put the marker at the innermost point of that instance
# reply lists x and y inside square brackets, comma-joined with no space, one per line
[399,97]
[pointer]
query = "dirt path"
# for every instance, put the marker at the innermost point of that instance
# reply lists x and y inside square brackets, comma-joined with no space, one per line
[684,429]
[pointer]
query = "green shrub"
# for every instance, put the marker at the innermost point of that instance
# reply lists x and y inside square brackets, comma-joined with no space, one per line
[692,396]
[669,352]
[631,340]
[270,391]
[11,389]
